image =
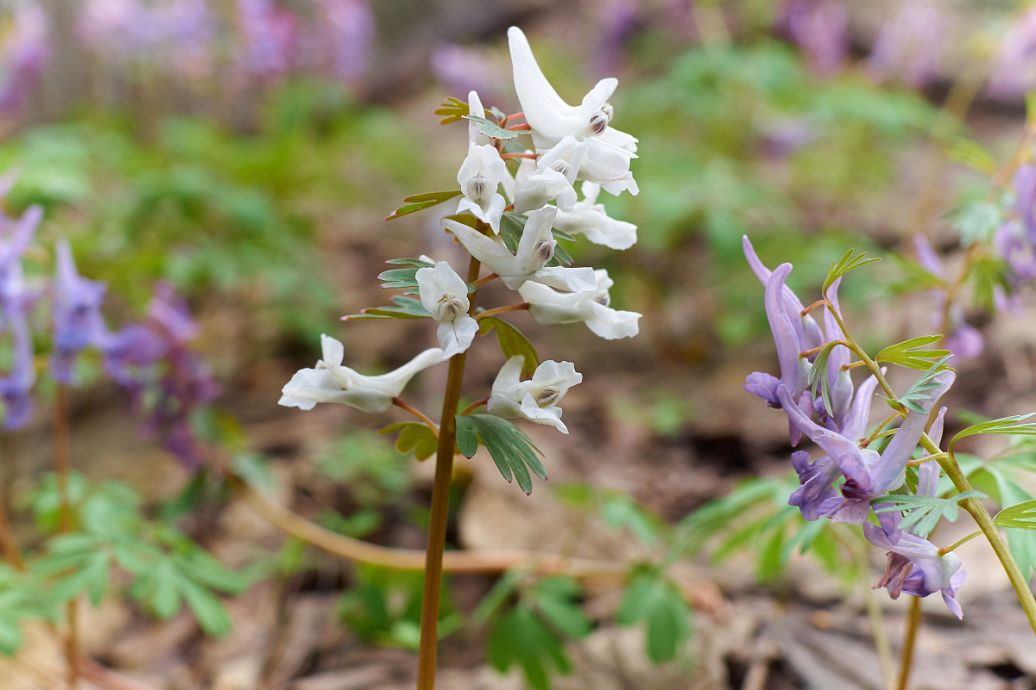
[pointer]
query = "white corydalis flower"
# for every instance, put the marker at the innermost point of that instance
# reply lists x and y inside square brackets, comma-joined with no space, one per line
[549,307]
[552,119]
[330,382]
[536,399]
[550,178]
[589,218]
[535,249]
[445,295]
[479,177]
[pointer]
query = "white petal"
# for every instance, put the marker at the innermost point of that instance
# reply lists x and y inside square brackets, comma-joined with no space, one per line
[332,351]
[309,387]
[375,393]
[475,108]
[456,336]
[561,375]
[548,416]
[611,324]
[510,375]
[545,111]
[566,278]
[489,251]
[438,282]
[537,231]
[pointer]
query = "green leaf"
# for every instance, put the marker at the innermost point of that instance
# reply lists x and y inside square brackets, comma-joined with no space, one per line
[622,512]
[414,437]
[976,221]
[910,353]
[1014,425]
[513,224]
[521,638]
[556,599]
[512,451]
[398,278]
[212,616]
[419,202]
[920,391]
[657,603]
[491,129]
[512,342]
[819,381]
[1019,516]
[402,308]
[972,154]
[922,513]
[452,110]
[850,261]
[505,588]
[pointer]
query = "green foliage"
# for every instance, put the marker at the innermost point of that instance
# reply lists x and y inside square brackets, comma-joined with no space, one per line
[911,353]
[922,513]
[652,600]
[491,129]
[1005,426]
[531,632]
[452,110]
[23,597]
[512,342]
[1019,516]
[617,509]
[374,473]
[1000,480]
[383,607]
[920,391]
[976,221]
[165,568]
[419,202]
[414,438]
[819,381]
[511,450]
[849,262]
[401,308]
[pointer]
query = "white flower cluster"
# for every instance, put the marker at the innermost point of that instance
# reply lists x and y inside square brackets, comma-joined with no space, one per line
[569,144]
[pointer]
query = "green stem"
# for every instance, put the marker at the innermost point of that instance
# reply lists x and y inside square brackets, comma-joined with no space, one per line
[440,507]
[948,462]
[959,543]
[913,624]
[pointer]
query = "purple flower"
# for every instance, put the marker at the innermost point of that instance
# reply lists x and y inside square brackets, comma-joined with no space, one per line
[818,496]
[793,333]
[16,301]
[78,323]
[910,45]
[167,380]
[616,22]
[914,564]
[24,55]
[821,29]
[350,31]
[868,475]
[961,338]
[270,37]
[1014,71]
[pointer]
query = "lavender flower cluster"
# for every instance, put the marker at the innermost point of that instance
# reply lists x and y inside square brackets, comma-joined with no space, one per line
[260,40]
[849,480]
[152,360]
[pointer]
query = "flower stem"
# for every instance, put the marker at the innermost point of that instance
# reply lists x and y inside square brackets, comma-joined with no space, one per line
[437,521]
[8,543]
[407,407]
[473,406]
[496,311]
[913,624]
[61,467]
[959,543]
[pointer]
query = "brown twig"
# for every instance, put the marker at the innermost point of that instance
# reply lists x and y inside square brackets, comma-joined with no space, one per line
[425,419]
[61,466]
[496,311]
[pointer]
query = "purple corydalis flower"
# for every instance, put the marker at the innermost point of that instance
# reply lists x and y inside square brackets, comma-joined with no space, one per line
[868,475]
[166,379]
[1013,70]
[24,55]
[616,22]
[78,323]
[818,496]
[961,338]
[16,385]
[914,564]
[350,31]
[910,46]
[270,35]
[821,29]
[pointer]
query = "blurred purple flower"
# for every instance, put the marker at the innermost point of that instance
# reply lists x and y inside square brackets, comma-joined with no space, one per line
[167,380]
[617,20]
[909,47]
[461,69]
[821,29]
[78,323]
[269,37]
[1014,67]
[16,301]
[960,338]
[349,31]
[24,55]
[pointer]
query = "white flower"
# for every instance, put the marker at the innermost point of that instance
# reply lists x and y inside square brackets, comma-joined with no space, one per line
[550,177]
[535,249]
[479,176]
[475,109]
[445,295]
[609,150]
[590,218]
[333,383]
[549,306]
[537,399]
